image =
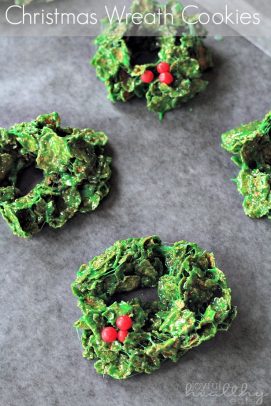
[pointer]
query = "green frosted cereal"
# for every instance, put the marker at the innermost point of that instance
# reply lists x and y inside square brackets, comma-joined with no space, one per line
[250,146]
[126,51]
[194,303]
[74,167]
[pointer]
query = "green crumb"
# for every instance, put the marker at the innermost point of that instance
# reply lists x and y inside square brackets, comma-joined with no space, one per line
[125,51]
[194,303]
[75,173]
[250,146]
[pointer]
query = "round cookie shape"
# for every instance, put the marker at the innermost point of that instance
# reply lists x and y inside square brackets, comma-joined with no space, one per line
[194,303]
[74,169]
[126,51]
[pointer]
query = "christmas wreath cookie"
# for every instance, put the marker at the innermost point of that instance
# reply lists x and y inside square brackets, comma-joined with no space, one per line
[127,337]
[250,146]
[163,64]
[74,170]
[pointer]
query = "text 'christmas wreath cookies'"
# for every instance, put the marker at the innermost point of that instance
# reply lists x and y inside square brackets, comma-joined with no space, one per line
[250,145]
[71,162]
[162,62]
[126,337]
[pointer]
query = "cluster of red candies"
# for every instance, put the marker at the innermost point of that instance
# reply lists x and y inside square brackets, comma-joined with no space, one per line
[163,68]
[110,334]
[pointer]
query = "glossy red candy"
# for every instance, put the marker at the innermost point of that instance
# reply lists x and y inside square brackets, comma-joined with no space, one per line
[166,77]
[109,334]
[147,76]
[124,322]
[163,67]
[122,334]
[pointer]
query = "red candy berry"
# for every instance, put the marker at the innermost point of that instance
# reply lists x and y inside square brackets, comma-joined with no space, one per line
[124,322]
[163,67]
[122,334]
[166,77]
[147,76]
[109,334]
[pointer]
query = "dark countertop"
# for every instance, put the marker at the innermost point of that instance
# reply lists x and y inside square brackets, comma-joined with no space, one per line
[171,179]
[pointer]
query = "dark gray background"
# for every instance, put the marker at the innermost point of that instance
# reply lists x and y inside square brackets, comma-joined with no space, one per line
[171,179]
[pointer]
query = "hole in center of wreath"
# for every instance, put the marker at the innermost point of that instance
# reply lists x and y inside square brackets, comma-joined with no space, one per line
[28,178]
[143,50]
[144,294]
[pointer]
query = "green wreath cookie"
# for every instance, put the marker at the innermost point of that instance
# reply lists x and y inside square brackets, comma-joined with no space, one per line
[250,145]
[163,64]
[74,167]
[127,337]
